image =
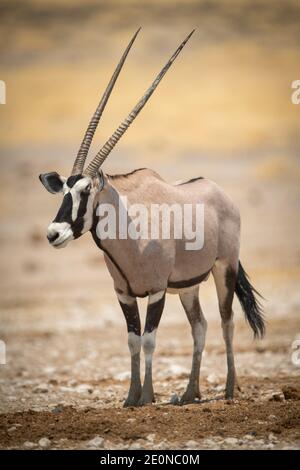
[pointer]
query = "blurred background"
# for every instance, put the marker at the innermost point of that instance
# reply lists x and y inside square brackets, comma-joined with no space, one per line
[223,111]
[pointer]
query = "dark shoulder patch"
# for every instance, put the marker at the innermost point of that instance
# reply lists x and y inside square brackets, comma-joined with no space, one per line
[191,180]
[73,179]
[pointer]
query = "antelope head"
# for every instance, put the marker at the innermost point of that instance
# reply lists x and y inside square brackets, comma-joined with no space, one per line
[75,215]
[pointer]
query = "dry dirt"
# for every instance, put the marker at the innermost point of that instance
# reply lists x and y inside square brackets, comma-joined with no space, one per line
[225,113]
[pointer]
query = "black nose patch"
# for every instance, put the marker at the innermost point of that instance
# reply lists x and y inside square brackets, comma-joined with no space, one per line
[65,212]
[52,238]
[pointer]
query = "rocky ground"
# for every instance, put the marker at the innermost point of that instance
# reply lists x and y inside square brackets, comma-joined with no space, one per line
[67,377]
[224,112]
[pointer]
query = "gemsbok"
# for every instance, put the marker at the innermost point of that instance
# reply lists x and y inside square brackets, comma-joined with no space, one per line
[153,266]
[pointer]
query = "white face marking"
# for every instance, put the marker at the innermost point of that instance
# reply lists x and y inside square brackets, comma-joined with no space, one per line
[134,343]
[64,231]
[75,192]
[153,298]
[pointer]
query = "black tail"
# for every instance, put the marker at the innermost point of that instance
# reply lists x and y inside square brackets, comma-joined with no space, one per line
[250,305]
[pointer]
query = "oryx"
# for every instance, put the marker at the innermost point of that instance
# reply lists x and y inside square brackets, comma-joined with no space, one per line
[152,267]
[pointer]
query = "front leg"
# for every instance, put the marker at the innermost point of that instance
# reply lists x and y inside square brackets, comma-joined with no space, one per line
[131,313]
[155,308]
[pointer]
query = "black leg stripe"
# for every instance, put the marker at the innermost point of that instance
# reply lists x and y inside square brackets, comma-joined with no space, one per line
[132,317]
[154,313]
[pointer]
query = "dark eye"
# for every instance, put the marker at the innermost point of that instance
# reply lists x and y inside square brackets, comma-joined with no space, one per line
[87,189]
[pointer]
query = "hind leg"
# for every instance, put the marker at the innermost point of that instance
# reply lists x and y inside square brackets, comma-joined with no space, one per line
[225,276]
[191,305]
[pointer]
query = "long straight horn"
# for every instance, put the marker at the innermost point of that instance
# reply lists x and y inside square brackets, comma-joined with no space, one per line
[87,140]
[109,145]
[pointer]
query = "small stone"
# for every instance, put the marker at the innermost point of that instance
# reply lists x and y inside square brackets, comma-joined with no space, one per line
[174,399]
[249,437]
[57,409]
[272,437]
[134,446]
[259,442]
[29,445]
[209,442]
[212,378]
[162,445]
[72,383]
[53,382]
[231,441]
[130,420]
[97,442]
[150,437]
[41,388]
[277,397]
[269,446]
[84,388]
[44,442]
[12,429]
[121,376]
[191,444]
[49,370]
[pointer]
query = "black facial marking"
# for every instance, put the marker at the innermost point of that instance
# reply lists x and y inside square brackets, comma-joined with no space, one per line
[131,314]
[73,179]
[77,226]
[154,312]
[65,212]
[84,197]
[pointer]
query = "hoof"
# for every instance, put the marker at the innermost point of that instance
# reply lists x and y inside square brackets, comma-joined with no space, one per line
[146,400]
[132,400]
[130,403]
[190,397]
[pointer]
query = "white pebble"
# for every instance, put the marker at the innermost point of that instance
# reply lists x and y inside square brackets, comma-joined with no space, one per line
[44,442]
[97,442]
[42,388]
[231,441]
[84,388]
[269,446]
[212,378]
[29,445]
[191,444]
[134,446]
[209,442]
[12,429]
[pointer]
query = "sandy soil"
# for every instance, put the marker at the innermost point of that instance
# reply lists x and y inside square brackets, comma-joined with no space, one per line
[67,370]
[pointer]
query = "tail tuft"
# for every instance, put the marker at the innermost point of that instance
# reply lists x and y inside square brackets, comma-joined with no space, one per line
[252,308]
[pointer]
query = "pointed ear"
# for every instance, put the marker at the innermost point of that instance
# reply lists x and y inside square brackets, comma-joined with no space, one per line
[100,179]
[53,182]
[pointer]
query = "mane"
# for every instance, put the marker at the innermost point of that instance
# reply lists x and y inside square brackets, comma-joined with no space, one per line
[132,179]
[125,175]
